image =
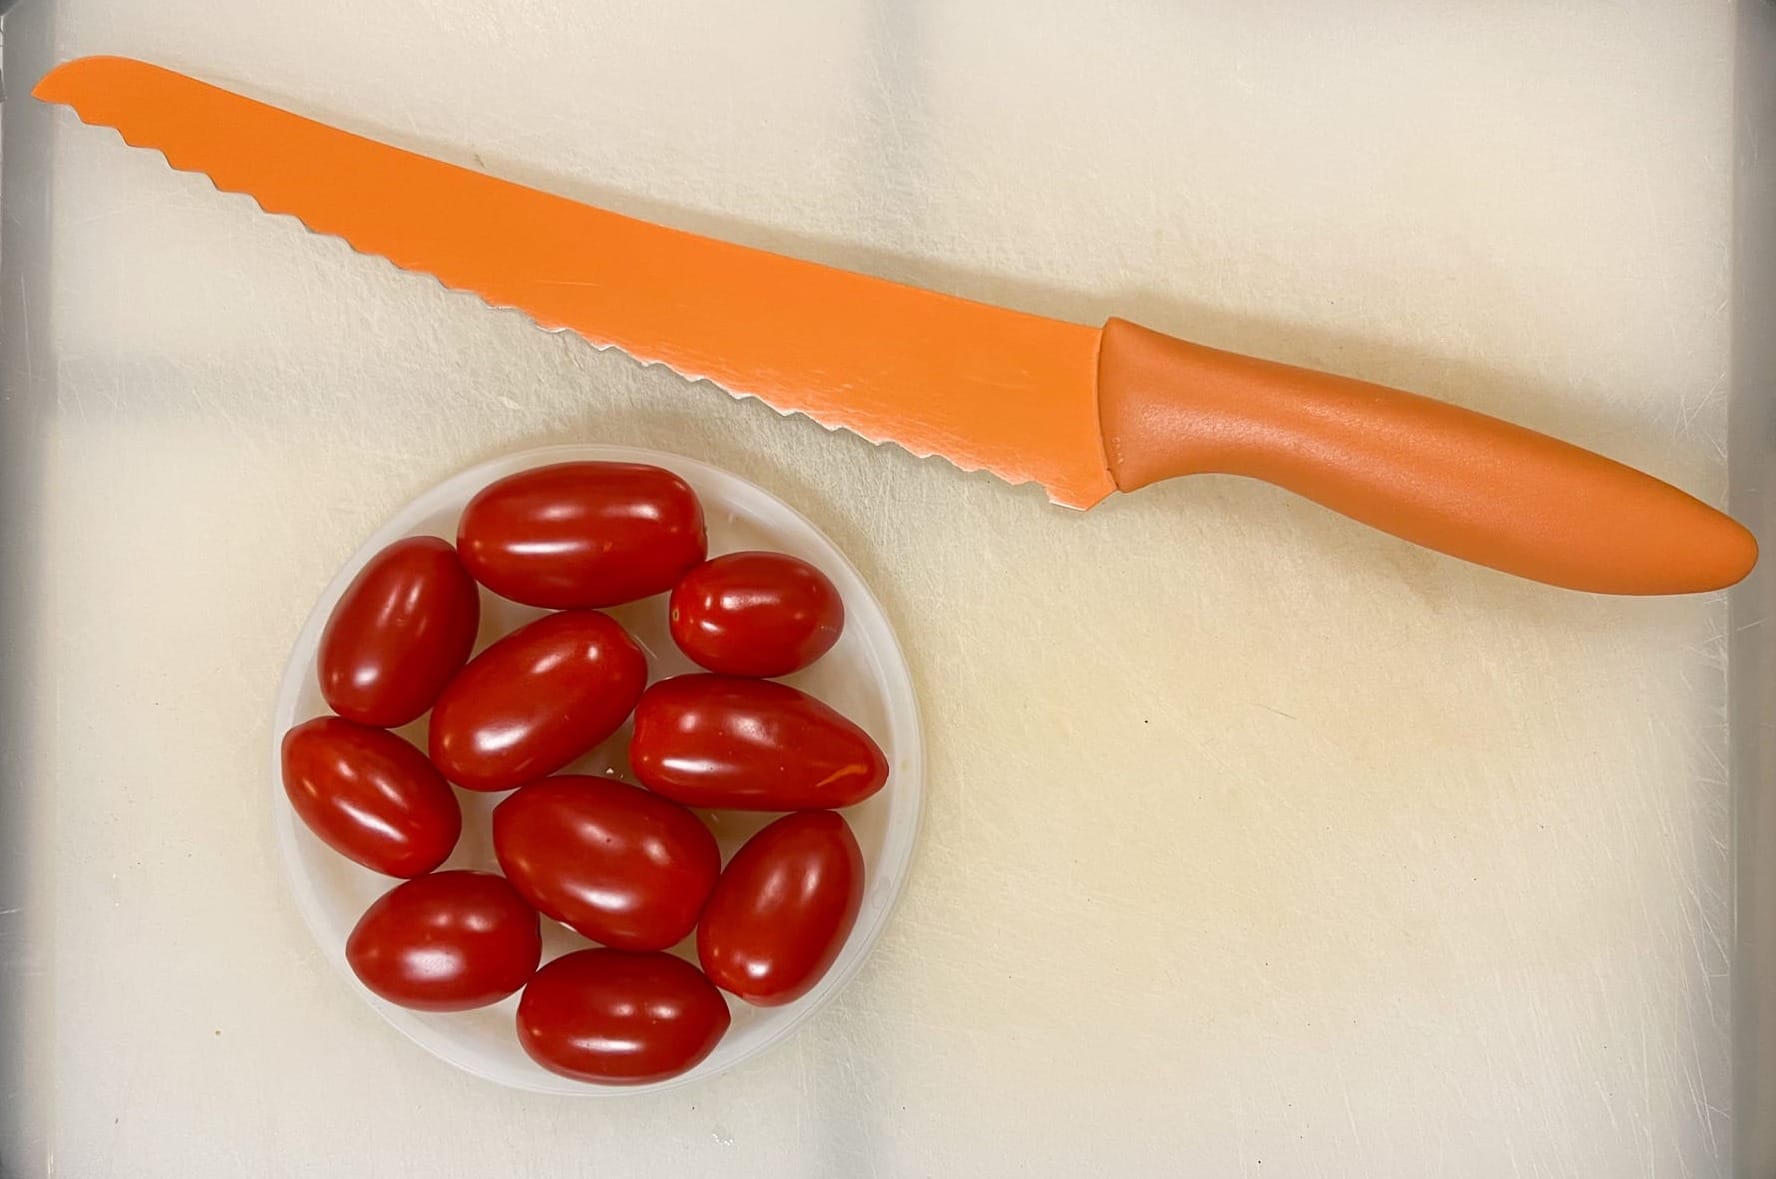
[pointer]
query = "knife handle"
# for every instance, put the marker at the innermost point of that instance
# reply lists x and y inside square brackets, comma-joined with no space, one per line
[1432,473]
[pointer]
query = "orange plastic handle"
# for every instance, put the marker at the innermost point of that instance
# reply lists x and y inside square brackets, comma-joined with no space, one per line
[1432,473]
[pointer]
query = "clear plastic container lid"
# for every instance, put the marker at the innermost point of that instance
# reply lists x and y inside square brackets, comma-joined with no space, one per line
[864,676]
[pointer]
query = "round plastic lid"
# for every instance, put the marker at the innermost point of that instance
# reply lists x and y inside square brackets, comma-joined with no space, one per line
[864,676]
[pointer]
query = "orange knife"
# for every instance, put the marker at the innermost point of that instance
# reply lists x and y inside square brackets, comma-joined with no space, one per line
[1083,411]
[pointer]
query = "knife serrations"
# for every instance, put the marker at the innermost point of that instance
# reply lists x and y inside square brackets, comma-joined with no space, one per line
[984,387]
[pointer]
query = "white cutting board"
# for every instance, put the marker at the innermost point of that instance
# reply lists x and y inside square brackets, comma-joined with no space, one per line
[1256,843]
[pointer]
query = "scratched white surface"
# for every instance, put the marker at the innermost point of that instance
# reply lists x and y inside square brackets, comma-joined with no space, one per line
[1256,845]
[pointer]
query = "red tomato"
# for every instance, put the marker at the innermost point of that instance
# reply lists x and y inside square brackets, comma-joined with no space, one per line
[403,627]
[750,745]
[535,700]
[756,614]
[582,534]
[370,796]
[617,864]
[446,942]
[619,1018]
[783,909]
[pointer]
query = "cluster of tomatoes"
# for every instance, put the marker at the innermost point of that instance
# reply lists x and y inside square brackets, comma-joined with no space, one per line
[631,868]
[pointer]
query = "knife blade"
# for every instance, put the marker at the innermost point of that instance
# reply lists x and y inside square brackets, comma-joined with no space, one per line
[1083,411]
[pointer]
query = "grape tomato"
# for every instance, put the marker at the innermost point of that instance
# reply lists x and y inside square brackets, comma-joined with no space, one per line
[582,534]
[535,700]
[370,796]
[741,744]
[611,861]
[404,626]
[449,941]
[619,1018]
[783,909]
[756,614]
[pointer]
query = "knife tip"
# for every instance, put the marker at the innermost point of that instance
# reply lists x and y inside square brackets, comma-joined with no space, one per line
[63,83]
